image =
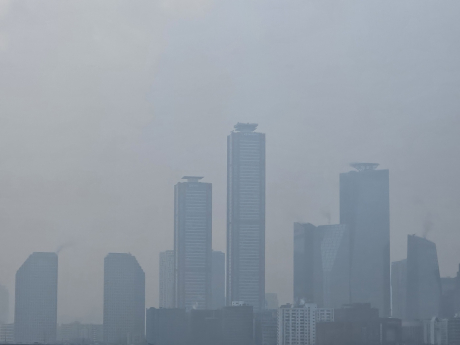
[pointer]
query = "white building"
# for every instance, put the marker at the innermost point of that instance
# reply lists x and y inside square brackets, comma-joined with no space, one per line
[297,326]
[167,279]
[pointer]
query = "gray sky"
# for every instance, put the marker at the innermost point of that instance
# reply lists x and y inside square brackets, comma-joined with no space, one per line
[106,104]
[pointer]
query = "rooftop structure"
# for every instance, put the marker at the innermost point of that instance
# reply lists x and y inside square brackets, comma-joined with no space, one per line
[364,166]
[245,127]
[192,178]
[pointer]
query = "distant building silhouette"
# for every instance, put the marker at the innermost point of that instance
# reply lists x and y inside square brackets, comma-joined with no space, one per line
[7,333]
[166,326]
[398,288]
[35,316]
[218,279]
[246,216]
[4,305]
[193,243]
[268,327]
[237,324]
[78,333]
[124,299]
[365,208]
[271,300]
[423,295]
[205,327]
[167,279]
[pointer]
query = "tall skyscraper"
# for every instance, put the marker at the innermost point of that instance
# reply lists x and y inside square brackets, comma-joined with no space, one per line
[365,208]
[35,316]
[398,288]
[167,279]
[124,299]
[321,265]
[4,305]
[423,295]
[193,243]
[246,216]
[218,279]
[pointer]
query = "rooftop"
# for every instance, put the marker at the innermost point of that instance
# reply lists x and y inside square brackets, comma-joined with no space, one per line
[192,178]
[364,166]
[245,127]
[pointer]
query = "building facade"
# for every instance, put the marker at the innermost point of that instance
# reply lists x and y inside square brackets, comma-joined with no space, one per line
[271,300]
[398,288]
[167,279]
[218,279]
[238,324]
[246,216]
[124,300]
[365,209]
[35,317]
[193,243]
[423,279]
[4,305]
[166,326]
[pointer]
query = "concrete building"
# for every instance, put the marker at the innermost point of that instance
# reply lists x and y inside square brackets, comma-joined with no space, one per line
[271,300]
[268,327]
[238,324]
[435,331]
[423,279]
[167,279]
[246,216]
[218,279]
[398,288]
[78,333]
[166,326]
[4,305]
[35,317]
[7,333]
[124,300]
[365,208]
[205,327]
[297,326]
[193,243]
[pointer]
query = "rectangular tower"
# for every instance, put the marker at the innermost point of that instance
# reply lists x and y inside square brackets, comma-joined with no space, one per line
[398,288]
[35,316]
[246,216]
[365,208]
[167,279]
[124,300]
[218,279]
[193,243]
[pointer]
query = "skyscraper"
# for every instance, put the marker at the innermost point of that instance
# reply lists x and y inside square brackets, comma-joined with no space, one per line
[193,243]
[218,279]
[398,288]
[35,317]
[246,216]
[167,279]
[423,295]
[124,299]
[4,304]
[365,208]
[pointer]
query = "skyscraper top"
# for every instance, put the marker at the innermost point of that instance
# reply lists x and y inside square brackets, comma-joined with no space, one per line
[245,127]
[364,166]
[192,178]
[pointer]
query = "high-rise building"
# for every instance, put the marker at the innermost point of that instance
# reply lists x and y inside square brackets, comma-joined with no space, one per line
[271,300]
[365,208]
[238,324]
[167,279]
[218,279]
[124,299]
[193,243]
[78,333]
[166,326]
[268,327]
[321,265]
[398,288]
[246,216]
[35,316]
[205,327]
[297,326]
[7,333]
[4,304]
[423,294]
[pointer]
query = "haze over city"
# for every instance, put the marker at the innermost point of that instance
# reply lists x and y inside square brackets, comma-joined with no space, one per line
[106,105]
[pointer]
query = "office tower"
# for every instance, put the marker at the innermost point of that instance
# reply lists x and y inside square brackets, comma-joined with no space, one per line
[268,327]
[448,296]
[124,299]
[78,333]
[7,333]
[398,288]
[193,243]
[246,216]
[453,331]
[166,326]
[205,327]
[167,279]
[390,331]
[271,300]
[35,316]
[321,265]
[365,208]
[4,305]
[218,279]
[423,281]
[297,326]
[237,324]
[435,331]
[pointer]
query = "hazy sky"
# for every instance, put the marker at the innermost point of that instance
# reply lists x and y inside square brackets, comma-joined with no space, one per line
[106,104]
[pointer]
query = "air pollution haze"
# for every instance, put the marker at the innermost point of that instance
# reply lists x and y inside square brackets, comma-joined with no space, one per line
[106,104]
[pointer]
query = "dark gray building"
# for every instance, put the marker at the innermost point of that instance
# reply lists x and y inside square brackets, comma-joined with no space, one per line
[398,288]
[246,216]
[218,279]
[4,305]
[365,208]
[35,316]
[423,279]
[166,326]
[238,324]
[124,300]
[193,243]
[167,279]
[268,327]
[205,327]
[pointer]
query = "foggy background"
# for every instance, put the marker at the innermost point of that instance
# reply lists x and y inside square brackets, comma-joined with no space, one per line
[106,104]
